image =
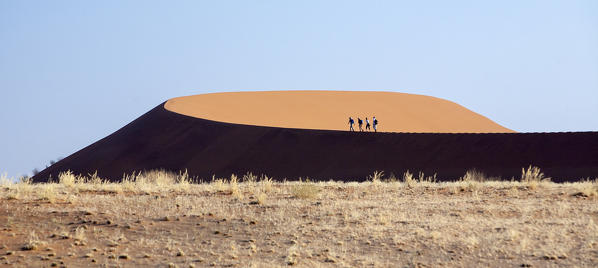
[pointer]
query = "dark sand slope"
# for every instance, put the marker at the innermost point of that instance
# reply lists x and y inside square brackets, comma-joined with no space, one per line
[165,139]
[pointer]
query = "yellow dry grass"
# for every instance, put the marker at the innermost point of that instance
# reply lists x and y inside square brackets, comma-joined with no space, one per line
[161,219]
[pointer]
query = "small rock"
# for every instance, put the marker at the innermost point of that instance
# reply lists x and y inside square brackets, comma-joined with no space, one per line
[330,259]
[580,194]
[29,247]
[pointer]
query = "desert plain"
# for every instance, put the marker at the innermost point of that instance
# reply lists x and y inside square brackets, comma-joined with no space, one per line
[162,219]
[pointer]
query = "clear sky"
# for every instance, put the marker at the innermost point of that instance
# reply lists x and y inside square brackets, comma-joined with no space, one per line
[72,72]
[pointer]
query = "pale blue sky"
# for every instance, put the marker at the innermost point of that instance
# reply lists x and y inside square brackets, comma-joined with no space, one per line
[72,72]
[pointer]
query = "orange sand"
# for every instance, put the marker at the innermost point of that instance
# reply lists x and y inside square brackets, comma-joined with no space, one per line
[396,112]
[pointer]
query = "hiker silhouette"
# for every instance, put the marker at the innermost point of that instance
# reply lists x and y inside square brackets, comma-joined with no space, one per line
[351,122]
[360,123]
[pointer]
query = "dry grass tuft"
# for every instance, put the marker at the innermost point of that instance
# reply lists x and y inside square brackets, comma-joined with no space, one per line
[80,234]
[305,190]
[533,177]
[266,184]
[48,193]
[157,177]
[587,189]
[376,178]
[34,242]
[95,179]
[472,180]
[67,178]
[218,185]
[261,198]
[234,187]
[423,179]
[408,179]
[474,175]
[4,180]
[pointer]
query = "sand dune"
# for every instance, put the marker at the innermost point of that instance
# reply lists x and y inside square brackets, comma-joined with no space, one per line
[163,139]
[397,112]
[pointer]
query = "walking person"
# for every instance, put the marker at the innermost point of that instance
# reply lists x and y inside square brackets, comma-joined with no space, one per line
[351,122]
[360,122]
[375,121]
[367,124]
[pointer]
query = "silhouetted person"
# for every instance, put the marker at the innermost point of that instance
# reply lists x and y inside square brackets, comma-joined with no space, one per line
[351,122]
[367,124]
[360,122]
[375,121]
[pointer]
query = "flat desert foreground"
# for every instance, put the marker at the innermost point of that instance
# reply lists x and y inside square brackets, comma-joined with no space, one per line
[162,220]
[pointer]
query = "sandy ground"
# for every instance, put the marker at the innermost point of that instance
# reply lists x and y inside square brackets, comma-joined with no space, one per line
[396,112]
[260,223]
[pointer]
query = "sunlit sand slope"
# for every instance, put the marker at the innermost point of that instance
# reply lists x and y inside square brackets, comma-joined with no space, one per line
[396,112]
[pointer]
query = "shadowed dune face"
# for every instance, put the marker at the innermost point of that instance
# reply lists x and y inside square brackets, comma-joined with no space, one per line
[330,110]
[162,139]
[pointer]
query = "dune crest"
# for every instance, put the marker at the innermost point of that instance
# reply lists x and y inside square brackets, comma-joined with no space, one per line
[330,110]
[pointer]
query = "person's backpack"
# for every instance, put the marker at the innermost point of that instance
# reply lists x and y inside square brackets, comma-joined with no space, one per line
[360,121]
[375,121]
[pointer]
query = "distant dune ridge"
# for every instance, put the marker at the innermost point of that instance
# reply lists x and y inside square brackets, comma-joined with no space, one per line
[295,134]
[397,112]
